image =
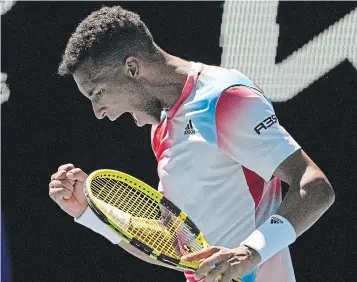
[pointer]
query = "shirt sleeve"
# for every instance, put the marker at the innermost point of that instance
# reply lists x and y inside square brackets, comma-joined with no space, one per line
[160,188]
[249,131]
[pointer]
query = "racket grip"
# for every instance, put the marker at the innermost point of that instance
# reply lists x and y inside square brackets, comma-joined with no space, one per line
[219,277]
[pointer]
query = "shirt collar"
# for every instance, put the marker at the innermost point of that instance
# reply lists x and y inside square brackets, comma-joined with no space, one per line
[191,80]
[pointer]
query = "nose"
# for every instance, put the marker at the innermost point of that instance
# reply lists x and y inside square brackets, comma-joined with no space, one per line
[100,112]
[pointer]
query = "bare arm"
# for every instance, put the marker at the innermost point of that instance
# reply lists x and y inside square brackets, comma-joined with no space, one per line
[310,193]
[309,196]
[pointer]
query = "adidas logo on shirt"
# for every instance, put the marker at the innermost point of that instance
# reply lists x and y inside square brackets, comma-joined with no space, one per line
[275,220]
[189,128]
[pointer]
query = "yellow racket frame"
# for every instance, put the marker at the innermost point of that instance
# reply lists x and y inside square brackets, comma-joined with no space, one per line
[151,193]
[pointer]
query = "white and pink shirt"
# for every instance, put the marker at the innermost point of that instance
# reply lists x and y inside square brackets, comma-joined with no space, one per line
[217,149]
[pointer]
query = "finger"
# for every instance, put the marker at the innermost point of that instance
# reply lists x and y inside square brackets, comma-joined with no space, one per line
[54,176]
[219,269]
[63,183]
[60,194]
[215,259]
[208,264]
[77,174]
[237,258]
[202,254]
[61,175]
[66,167]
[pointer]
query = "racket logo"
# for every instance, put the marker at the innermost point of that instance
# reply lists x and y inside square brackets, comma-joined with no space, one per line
[187,248]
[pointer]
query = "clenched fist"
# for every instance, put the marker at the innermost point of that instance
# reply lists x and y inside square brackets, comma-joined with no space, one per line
[66,189]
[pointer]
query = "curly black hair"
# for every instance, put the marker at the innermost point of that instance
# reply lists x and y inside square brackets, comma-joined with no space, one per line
[109,33]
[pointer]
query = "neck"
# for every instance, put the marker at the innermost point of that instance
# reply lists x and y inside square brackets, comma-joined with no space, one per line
[169,79]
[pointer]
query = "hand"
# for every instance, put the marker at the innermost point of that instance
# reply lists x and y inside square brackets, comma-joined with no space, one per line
[66,189]
[231,263]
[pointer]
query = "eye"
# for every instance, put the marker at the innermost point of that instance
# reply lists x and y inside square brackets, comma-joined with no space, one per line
[99,93]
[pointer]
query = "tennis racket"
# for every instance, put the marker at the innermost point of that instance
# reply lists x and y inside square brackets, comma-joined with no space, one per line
[144,218]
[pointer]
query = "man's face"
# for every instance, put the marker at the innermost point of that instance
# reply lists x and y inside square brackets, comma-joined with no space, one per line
[115,91]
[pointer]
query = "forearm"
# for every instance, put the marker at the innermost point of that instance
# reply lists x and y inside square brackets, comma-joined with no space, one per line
[307,200]
[309,196]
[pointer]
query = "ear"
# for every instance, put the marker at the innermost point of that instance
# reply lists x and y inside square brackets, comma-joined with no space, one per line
[132,67]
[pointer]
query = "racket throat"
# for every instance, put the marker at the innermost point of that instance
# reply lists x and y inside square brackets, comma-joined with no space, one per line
[168,260]
[142,247]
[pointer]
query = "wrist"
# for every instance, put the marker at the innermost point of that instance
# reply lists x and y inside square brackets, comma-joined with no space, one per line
[91,221]
[271,237]
[80,212]
[255,256]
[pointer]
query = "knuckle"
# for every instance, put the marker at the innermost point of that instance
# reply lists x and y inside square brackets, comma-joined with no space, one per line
[54,191]
[74,170]
[221,253]
[55,183]
[53,194]
[225,252]
[65,166]
[78,170]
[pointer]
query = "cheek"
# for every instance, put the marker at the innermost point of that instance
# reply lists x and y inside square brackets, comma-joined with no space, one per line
[120,101]
[136,102]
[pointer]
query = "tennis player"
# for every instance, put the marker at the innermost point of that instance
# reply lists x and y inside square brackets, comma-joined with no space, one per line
[221,150]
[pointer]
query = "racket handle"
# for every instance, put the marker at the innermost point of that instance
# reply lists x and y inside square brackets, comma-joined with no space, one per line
[219,277]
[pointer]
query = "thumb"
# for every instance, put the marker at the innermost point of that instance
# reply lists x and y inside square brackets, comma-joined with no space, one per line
[77,174]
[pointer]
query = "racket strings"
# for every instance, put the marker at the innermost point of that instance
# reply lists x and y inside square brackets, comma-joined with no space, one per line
[125,198]
[184,241]
[129,203]
[174,228]
[133,201]
[141,217]
[151,222]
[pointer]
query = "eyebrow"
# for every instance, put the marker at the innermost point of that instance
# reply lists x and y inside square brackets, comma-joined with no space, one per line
[90,92]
